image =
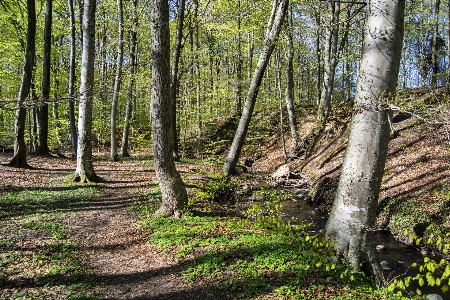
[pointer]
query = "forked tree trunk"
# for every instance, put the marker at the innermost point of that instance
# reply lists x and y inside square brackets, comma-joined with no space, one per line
[330,62]
[43,112]
[20,149]
[174,196]
[85,171]
[114,156]
[352,217]
[269,44]
[131,83]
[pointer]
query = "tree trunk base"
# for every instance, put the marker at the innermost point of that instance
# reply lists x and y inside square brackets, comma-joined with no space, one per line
[163,211]
[42,152]
[84,179]
[125,154]
[115,158]
[19,162]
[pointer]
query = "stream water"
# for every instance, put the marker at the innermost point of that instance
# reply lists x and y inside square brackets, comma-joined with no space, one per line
[396,257]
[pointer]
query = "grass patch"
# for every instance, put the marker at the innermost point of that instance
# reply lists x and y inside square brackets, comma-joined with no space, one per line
[37,260]
[254,259]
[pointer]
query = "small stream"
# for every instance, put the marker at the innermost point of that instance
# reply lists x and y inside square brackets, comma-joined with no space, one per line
[396,257]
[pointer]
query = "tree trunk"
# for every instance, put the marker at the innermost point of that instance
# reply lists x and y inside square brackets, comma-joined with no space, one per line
[330,62]
[266,51]
[280,105]
[174,196]
[71,112]
[20,151]
[434,54]
[174,77]
[352,217]
[43,111]
[290,86]
[238,107]
[131,83]
[197,83]
[85,171]
[114,156]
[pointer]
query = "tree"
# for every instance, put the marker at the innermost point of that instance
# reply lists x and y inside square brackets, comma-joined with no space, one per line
[174,195]
[273,29]
[132,80]
[71,112]
[85,170]
[20,151]
[290,84]
[354,209]
[43,111]
[117,83]
[174,76]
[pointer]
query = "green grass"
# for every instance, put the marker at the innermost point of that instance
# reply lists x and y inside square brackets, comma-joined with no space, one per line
[242,259]
[37,260]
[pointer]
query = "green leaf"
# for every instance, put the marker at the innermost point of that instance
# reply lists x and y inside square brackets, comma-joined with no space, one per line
[421,281]
[444,288]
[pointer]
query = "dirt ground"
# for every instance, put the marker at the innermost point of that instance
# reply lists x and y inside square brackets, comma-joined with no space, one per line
[125,265]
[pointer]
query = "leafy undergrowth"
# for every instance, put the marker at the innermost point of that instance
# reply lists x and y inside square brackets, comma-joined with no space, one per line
[253,254]
[37,260]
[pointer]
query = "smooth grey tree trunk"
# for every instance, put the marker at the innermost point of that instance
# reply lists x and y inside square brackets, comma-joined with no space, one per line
[174,195]
[71,87]
[174,77]
[19,159]
[280,104]
[85,171]
[269,44]
[290,86]
[43,111]
[132,81]
[352,217]
[114,156]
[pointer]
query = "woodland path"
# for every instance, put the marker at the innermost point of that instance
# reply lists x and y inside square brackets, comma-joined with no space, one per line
[125,265]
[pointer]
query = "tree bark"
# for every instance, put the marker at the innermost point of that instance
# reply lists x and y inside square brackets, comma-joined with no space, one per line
[434,54]
[330,62]
[238,107]
[84,172]
[174,196]
[131,83]
[280,104]
[43,111]
[19,159]
[174,77]
[71,87]
[269,44]
[114,156]
[352,217]
[290,86]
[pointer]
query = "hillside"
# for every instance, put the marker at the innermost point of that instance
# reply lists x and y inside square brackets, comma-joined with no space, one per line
[415,191]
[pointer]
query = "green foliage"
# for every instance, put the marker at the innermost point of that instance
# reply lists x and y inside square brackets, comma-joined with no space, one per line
[220,188]
[244,258]
[430,273]
[146,205]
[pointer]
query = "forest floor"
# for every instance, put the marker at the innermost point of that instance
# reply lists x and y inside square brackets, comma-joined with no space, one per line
[123,264]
